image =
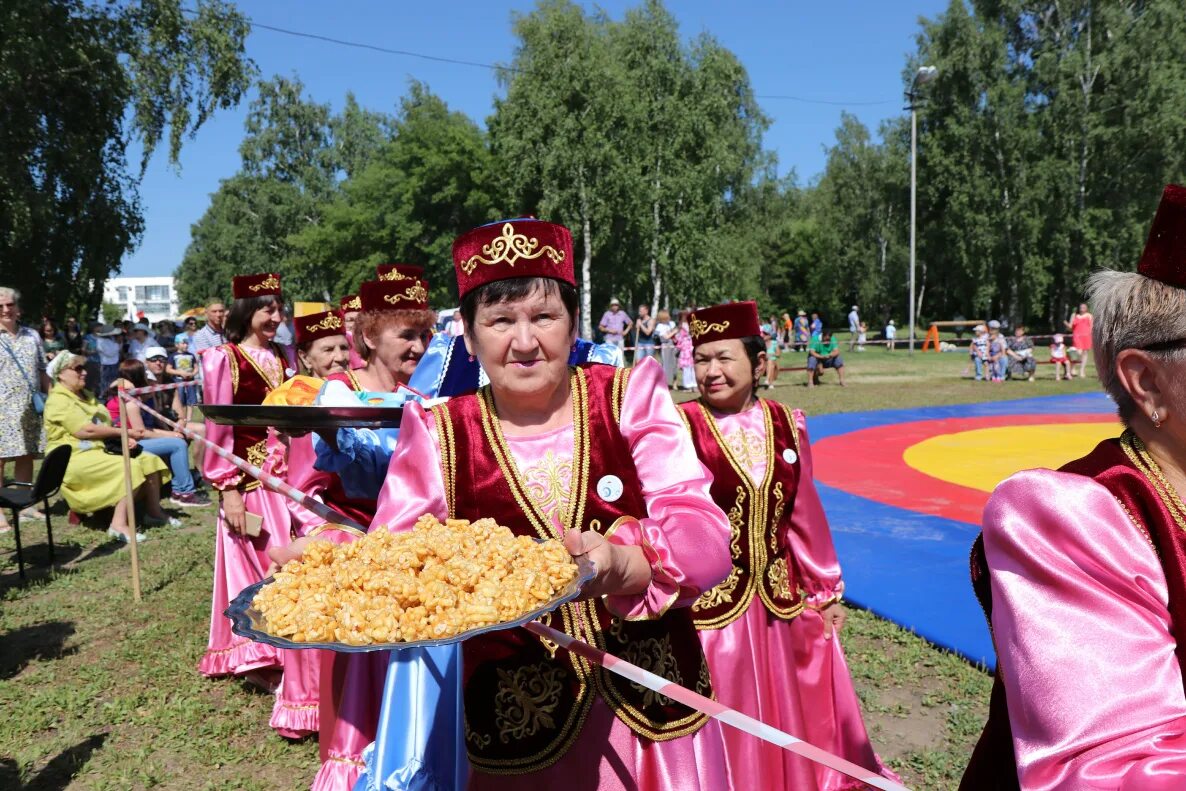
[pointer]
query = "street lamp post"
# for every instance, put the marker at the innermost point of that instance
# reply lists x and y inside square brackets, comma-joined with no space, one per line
[921,77]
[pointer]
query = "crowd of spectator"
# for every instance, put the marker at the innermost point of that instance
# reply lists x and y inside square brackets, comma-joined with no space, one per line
[60,385]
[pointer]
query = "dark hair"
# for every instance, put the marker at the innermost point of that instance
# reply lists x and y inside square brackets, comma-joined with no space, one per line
[133,370]
[238,321]
[754,345]
[517,288]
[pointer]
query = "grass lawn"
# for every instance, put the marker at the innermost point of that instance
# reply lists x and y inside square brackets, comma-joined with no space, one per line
[101,693]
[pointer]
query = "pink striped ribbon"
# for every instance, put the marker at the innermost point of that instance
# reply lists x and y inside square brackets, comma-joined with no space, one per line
[712,708]
[135,391]
[270,481]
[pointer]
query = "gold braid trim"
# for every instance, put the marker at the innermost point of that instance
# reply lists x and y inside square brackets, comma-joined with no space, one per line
[444,424]
[354,531]
[509,249]
[1134,448]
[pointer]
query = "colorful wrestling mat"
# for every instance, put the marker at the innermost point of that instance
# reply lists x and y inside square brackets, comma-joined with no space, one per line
[904,490]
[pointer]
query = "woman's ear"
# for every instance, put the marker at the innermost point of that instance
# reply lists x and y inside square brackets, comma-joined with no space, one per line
[1139,374]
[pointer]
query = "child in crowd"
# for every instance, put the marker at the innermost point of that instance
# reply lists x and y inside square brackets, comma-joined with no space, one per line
[979,351]
[1058,356]
[891,335]
[772,352]
[184,364]
[862,336]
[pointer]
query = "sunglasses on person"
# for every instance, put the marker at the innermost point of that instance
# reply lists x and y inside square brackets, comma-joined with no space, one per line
[1165,346]
[157,359]
[80,368]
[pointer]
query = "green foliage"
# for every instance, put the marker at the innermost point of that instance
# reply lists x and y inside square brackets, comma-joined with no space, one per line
[294,155]
[112,312]
[433,180]
[78,83]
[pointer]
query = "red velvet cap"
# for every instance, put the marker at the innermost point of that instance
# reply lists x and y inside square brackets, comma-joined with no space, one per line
[350,303]
[394,295]
[512,248]
[247,286]
[724,322]
[318,325]
[1164,258]
[400,272]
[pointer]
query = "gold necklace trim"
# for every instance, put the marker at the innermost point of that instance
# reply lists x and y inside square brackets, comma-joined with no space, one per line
[444,425]
[1135,449]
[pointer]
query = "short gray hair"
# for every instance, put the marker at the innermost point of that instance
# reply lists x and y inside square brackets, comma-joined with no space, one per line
[11,293]
[1132,311]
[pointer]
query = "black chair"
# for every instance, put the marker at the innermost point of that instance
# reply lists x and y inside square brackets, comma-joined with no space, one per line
[20,496]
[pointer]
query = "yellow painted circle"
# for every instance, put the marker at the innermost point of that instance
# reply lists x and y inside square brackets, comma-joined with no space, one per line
[982,458]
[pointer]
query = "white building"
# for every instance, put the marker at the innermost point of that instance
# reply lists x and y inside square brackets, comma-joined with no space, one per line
[156,296]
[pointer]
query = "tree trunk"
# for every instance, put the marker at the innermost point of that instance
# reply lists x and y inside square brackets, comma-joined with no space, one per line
[656,274]
[586,261]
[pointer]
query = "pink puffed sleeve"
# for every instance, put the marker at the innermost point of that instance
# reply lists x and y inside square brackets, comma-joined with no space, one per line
[1082,629]
[414,485]
[809,537]
[216,374]
[302,475]
[685,535]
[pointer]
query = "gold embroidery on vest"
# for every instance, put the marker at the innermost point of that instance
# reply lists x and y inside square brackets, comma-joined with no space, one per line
[721,594]
[551,645]
[780,504]
[779,579]
[704,682]
[257,454]
[479,740]
[526,699]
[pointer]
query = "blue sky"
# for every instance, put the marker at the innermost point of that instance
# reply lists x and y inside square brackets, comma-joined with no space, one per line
[846,51]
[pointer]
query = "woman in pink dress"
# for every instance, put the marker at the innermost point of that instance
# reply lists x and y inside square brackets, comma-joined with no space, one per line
[1080,326]
[598,456]
[771,629]
[1082,571]
[393,327]
[243,371]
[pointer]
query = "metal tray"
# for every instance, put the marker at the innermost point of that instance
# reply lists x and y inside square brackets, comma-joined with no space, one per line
[303,417]
[246,621]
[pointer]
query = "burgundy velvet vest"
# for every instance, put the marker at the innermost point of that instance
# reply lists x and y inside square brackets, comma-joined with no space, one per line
[525,705]
[250,385]
[360,509]
[759,515]
[1124,468]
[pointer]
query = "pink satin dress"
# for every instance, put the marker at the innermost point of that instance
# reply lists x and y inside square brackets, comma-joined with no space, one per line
[353,694]
[787,673]
[240,561]
[1082,630]
[689,536]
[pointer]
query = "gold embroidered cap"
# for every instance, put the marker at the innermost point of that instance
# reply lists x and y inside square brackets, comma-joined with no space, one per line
[247,286]
[724,322]
[394,295]
[522,247]
[318,325]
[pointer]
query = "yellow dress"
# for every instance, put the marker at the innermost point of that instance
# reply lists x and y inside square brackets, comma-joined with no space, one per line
[94,479]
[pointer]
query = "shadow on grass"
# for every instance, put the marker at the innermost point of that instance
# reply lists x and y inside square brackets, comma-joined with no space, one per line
[43,641]
[56,774]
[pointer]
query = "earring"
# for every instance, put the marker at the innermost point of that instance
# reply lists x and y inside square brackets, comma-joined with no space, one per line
[1156,420]
[471,358]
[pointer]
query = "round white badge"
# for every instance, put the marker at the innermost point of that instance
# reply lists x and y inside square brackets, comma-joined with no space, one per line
[609,488]
[789,456]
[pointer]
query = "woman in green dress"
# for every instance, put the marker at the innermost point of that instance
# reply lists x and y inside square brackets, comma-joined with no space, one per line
[94,478]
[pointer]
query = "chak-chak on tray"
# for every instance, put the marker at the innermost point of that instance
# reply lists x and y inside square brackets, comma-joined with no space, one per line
[436,584]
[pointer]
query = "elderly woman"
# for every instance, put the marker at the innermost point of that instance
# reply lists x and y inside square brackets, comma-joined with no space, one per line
[22,374]
[770,630]
[540,440]
[1083,571]
[94,478]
